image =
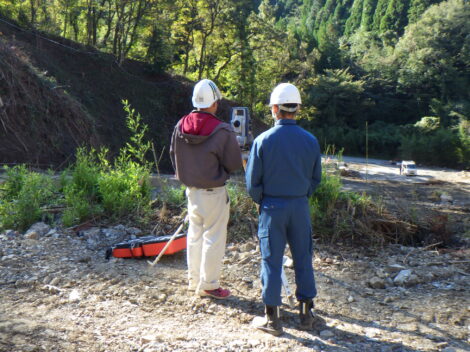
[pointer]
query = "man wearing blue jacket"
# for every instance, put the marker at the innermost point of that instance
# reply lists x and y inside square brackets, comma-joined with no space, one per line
[283,170]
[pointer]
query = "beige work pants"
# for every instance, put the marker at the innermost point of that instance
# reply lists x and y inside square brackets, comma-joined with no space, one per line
[208,211]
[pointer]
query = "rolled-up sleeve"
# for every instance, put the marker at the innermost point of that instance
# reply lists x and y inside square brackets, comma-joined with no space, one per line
[254,173]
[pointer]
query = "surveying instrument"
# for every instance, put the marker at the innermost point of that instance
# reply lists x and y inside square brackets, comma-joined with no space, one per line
[241,123]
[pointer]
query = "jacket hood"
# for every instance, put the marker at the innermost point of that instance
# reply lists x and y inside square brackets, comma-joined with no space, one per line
[198,126]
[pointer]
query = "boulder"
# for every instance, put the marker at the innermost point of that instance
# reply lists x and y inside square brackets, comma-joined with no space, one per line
[376,282]
[37,230]
[402,278]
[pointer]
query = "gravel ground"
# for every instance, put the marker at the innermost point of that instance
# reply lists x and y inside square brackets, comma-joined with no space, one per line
[59,293]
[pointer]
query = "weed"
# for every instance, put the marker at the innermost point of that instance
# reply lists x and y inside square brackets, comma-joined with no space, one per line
[171,196]
[125,190]
[97,187]
[137,147]
[24,194]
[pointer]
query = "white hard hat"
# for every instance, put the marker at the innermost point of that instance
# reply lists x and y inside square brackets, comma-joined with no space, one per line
[285,93]
[205,93]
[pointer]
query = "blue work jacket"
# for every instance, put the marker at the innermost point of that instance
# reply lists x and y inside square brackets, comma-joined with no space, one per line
[285,161]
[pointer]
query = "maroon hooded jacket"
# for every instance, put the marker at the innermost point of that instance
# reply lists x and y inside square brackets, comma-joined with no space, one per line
[204,150]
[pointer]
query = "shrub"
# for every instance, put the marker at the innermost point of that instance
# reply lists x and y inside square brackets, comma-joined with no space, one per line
[243,213]
[439,147]
[23,196]
[125,190]
[96,187]
[171,196]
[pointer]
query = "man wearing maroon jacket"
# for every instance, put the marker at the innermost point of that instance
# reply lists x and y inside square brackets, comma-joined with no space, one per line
[204,151]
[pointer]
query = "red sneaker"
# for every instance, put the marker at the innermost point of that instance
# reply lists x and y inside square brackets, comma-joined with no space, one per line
[218,293]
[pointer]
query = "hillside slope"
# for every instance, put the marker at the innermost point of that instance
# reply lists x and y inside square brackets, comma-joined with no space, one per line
[57,95]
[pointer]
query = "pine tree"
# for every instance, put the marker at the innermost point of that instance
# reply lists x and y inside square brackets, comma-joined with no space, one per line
[354,20]
[367,18]
[395,18]
[417,7]
[380,10]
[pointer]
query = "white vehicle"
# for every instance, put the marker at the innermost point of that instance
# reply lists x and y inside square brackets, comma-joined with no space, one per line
[408,168]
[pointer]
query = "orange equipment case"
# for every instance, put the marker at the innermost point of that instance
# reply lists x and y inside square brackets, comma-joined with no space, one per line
[152,245]
[147,246]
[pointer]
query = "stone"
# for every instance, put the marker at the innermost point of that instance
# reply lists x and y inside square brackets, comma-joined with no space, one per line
[402,277]
[162,297]
[288,262]
[40,228]
[247,247]
[32,235]
[394,268]
[74,296]
[412,280]
[449,349]
[376,282]
[371,332]
[51,289]
[54,281]
[446,199]
[134,231]
[326,334]
[10,234]
[51,233]
[351,299]
[244,258]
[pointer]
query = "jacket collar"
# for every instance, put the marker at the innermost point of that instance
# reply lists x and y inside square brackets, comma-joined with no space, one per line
[286,122]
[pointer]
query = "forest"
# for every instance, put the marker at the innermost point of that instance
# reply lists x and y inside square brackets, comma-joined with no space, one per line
[390,78]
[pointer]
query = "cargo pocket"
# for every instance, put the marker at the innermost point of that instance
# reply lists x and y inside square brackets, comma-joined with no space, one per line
[264,245]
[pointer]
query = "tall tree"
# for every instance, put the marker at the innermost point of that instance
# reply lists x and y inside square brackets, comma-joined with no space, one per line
[355,18]
[434,57]
[395,18]
[367,18]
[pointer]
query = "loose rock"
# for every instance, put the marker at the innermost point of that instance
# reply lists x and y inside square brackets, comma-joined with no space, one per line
[402,278]
[376,282]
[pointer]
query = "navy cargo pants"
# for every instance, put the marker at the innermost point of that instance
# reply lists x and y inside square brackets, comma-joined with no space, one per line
[281,221]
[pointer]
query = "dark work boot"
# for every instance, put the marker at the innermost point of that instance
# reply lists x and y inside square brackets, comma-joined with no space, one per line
[271,322]
[306,314]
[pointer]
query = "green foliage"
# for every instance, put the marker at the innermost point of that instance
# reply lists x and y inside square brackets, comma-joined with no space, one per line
[125,189]
[333,210]
[171,196]
[428,123]
[439,147]
[240,202]
[367,18]
[23,196]
[337,98]
[354,20]
[434,55]
[393,61]
[463,150]
[96,187]
[80,188]
[395,18]
[137,147]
